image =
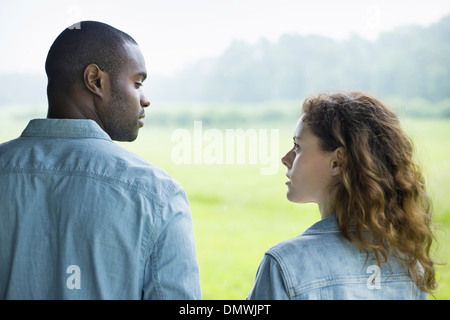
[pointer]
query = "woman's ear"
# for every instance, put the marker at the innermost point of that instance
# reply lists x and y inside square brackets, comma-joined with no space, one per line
[336,161]
[95,80]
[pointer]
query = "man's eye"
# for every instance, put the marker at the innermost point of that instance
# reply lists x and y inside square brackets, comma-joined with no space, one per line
[139,84]
[296,146]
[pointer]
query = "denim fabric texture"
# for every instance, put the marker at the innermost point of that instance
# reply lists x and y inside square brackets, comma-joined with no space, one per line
[83,218]
[322,264]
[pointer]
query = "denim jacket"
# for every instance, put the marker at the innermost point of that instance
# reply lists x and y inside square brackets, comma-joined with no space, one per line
[82,218]
[322,264]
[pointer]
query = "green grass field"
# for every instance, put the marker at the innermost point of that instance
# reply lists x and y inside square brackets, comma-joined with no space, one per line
[239,213]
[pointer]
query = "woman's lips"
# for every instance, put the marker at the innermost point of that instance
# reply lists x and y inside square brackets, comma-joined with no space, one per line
[289,181]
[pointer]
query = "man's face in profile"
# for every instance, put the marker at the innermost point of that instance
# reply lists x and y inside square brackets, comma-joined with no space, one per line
[123,113]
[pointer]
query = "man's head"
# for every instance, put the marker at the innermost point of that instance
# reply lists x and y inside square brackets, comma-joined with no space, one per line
[96,72]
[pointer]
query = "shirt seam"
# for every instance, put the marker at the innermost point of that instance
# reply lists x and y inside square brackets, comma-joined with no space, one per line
[284,274]
[294,291]
[350,279]
[89,174]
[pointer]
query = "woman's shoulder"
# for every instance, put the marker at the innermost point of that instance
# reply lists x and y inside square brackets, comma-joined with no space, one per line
[316,236]
[319,246]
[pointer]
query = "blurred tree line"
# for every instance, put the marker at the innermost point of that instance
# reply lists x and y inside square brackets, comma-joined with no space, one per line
[410,64]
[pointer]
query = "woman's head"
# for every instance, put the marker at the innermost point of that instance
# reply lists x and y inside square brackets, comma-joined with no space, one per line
[374,186]
[310,169]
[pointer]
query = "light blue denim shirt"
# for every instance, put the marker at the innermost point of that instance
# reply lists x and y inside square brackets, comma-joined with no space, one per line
[82,218]
[322,264]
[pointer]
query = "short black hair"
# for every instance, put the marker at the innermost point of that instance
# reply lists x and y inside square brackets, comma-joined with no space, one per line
[85,43]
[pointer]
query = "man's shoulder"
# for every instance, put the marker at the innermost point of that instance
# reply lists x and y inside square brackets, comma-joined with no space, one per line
[98,159]
[136,172]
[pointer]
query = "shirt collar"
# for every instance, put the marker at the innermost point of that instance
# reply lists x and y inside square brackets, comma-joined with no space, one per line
[65,128]
[326,225]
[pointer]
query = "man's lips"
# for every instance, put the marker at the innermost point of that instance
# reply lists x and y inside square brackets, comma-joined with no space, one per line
[141,123]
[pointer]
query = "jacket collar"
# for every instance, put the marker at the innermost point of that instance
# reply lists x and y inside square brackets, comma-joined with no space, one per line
[327,225]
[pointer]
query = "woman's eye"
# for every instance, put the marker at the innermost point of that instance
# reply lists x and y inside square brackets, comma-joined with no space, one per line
[296,147]
[139,84]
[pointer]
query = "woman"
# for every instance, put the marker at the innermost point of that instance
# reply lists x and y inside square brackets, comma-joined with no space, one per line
[351,157]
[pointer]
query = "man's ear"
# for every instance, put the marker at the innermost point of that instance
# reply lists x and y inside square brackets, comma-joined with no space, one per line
[336,161]
[95,80]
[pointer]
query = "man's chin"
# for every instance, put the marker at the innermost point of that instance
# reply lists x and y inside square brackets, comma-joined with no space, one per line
[129,139]
[125,137]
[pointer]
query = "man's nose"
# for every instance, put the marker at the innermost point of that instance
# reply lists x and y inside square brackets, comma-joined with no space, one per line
[144,102]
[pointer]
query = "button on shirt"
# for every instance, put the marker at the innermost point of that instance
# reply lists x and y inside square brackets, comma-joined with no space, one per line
[322,264]
[82,218]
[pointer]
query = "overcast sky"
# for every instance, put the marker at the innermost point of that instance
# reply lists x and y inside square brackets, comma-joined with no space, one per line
[172,33]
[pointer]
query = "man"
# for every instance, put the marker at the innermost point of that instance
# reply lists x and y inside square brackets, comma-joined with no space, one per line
[81,217]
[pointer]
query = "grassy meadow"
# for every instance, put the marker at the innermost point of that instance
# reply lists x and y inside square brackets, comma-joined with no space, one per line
[238,212]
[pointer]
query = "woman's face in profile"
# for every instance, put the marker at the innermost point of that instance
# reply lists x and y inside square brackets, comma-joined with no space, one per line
[309,169]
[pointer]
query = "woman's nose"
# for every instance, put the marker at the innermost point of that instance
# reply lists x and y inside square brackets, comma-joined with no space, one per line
[287,159]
